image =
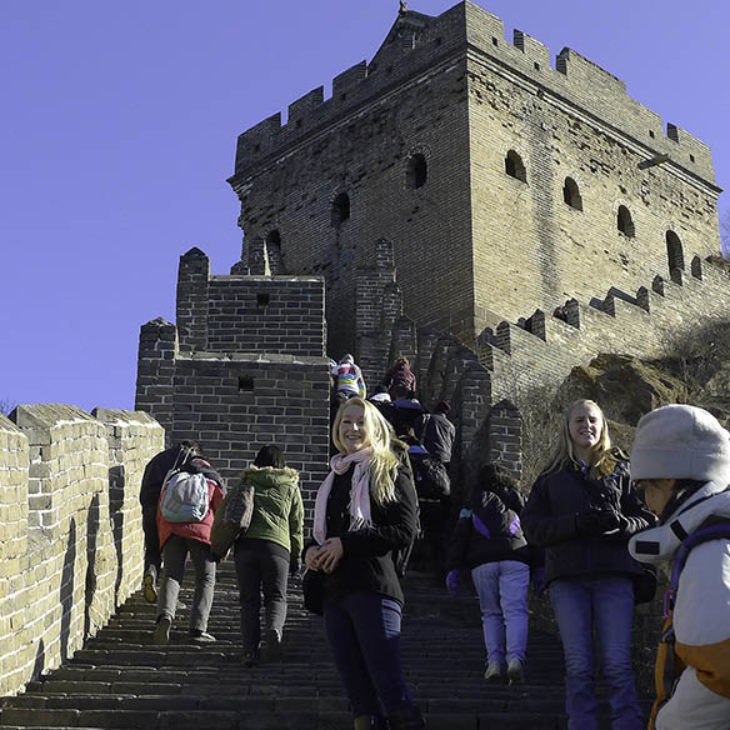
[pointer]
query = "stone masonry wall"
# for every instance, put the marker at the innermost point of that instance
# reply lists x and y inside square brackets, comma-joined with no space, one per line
[364,153]
[649,324]
[234,405]
[473,251]
[71,550]
[247,368]
[247,313]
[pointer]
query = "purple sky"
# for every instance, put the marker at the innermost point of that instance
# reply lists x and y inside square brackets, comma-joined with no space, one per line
[119,125]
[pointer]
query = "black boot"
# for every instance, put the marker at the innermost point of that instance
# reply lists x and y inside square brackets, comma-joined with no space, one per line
[408,718]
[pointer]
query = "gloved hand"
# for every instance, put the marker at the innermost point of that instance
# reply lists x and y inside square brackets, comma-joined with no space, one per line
[295,567]
[453,582]
[597,521]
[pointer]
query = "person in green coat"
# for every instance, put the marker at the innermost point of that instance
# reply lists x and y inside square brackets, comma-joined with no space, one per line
[268,552]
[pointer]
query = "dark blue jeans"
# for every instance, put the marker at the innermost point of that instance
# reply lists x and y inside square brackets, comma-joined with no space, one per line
[363,631]
[606,603]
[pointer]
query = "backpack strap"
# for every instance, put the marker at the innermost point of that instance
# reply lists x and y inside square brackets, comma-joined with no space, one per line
[711,529]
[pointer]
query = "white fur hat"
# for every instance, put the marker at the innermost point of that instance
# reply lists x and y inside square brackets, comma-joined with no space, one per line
[680,442]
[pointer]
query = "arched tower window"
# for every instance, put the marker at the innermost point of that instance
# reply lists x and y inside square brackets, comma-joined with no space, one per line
[416,171]
[340,209]
[514,166]
[624,223]
[675,254]
[273,252]
[571,194]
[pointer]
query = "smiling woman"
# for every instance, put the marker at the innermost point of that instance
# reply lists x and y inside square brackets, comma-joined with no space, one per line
[365,512]
[582,510]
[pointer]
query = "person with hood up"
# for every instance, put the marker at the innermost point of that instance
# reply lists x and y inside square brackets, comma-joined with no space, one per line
[268,551]
[681,463]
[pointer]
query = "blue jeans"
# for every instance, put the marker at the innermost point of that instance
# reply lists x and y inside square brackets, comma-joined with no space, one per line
[502,589]
[363,631]
[606,602]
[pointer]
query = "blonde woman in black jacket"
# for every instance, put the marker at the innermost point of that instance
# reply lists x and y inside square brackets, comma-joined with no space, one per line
[583,510]
[365,510]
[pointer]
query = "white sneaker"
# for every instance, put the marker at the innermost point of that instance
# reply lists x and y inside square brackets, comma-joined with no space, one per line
[515,671]
[494,671]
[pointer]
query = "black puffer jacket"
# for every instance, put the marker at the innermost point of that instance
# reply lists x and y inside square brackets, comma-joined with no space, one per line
[487,532]
[550,516]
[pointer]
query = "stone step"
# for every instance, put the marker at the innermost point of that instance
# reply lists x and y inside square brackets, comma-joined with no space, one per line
[120,680]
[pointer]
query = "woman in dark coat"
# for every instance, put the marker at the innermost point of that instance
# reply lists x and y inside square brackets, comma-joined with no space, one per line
[364,512]
[583,510]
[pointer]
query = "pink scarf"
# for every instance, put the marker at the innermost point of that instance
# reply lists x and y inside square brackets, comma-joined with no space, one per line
[359,506]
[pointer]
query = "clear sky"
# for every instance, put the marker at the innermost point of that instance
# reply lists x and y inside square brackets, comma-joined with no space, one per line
[118,132]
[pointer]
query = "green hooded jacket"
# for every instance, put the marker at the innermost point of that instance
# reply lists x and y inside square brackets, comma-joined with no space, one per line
[278,513]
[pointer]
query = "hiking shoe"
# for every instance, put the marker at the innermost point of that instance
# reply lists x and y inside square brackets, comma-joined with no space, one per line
[271,651]
[150,591]
[494,671]
[515,671]
[161,636]
[201,637]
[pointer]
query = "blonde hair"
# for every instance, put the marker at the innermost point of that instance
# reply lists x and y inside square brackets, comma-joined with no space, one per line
[383,462]
[603,461]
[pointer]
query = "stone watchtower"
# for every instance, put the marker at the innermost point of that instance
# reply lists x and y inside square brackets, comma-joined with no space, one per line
[503,183]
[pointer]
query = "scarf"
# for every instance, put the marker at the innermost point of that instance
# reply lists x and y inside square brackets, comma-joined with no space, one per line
[359,506]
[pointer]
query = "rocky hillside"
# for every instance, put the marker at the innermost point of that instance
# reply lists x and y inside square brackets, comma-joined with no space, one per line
[696,372]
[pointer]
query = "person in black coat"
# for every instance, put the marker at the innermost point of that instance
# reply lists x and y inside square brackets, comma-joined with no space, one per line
[582,509]
[488,540]
[365,511]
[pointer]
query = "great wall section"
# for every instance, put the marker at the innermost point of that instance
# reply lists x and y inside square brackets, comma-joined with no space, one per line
[246,363]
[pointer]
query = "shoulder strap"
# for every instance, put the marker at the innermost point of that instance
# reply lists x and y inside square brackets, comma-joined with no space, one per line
[713,528]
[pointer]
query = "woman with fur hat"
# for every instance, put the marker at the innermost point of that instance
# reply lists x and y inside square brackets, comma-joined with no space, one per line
[681,462]
[268,551]
[583,510]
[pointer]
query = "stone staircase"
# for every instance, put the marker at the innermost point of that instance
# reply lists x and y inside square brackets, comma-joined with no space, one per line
[120,681]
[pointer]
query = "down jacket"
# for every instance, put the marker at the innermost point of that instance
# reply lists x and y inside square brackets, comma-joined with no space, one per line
[549,521]
[701,698]
[487,532]
[278,513]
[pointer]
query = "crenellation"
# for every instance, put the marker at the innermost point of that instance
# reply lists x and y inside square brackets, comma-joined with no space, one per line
[535,52]
[60,579]
[348,79]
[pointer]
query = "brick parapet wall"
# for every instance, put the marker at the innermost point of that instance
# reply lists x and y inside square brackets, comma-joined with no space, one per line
[192,299]
[235,404]
[158,348]
[133,438]
[647,324]
[283,314]
[59,573]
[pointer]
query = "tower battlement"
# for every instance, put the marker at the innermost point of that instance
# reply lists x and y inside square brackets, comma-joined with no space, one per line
[417,42]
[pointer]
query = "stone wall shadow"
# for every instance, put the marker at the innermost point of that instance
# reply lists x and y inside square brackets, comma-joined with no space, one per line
[92,530]
[40,660]
[117,481]
[67,588]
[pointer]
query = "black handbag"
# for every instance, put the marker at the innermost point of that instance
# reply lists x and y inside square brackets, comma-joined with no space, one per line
[313,591]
